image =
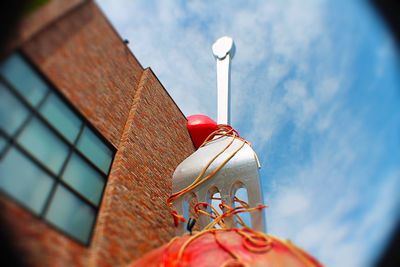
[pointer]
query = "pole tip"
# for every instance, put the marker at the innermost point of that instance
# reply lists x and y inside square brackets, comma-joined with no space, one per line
[223,46]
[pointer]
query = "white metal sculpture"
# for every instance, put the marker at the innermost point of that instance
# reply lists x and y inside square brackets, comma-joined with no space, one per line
[242,170]
[223,50]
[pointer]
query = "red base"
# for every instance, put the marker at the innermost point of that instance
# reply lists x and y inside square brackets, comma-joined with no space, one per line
[227,248]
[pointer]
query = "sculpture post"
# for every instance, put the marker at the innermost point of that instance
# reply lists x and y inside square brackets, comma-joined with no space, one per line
[223,50]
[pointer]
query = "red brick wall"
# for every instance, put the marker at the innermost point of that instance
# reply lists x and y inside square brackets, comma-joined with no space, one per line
[85,59]
[38,243]
[136,219]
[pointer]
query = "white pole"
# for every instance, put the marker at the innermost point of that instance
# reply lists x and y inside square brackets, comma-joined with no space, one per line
[223,50]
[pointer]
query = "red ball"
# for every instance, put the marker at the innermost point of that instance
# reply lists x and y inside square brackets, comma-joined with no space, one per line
[227,247]
[200,127]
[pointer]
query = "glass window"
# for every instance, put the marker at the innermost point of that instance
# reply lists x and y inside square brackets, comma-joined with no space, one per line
[93,148]
[42,164]
[71,214]
[12,111]
[61,117]
[84,178]
[44,145]
[25,80]
[23,180]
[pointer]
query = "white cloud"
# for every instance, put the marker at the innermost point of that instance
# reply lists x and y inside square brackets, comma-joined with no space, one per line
[180,54]
[299,102]
[330,205]
[292,203]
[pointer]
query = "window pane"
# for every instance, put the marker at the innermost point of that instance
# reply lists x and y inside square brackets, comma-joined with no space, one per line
[71,214]
[95,149]
[16,70]
[85,179]
[44,145]
[25,181]
[12,112]
[61,117]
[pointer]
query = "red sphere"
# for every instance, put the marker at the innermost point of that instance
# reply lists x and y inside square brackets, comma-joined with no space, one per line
[227,247]
[200,127]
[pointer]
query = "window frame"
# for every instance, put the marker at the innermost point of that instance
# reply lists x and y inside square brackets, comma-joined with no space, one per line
[34,112]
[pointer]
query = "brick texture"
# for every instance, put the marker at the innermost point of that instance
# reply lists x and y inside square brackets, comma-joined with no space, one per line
[87,61]
[135,219]
[84,58]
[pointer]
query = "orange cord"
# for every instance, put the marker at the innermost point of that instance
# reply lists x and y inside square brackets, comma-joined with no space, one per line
[222,131]
[254,241]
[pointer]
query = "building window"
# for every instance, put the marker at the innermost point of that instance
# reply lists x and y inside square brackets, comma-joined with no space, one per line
[51,160]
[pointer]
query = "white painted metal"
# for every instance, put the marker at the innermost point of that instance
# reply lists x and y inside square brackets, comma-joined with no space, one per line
[223,50]
[241,171]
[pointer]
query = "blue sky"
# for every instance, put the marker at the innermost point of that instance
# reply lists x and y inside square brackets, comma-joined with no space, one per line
[315,88]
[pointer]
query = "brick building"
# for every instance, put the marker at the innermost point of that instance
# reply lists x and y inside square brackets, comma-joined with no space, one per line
[89,140]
